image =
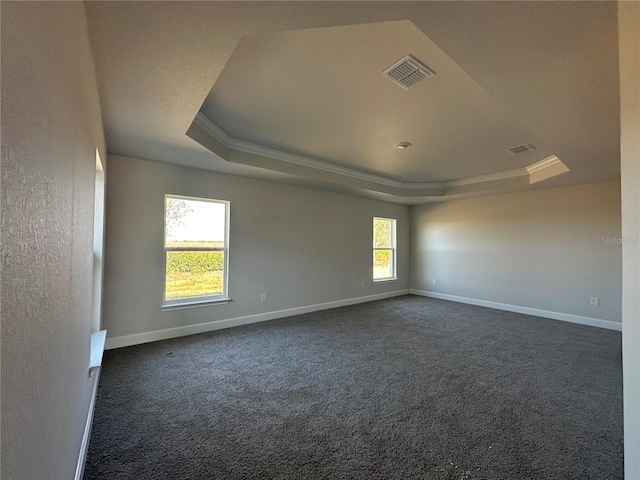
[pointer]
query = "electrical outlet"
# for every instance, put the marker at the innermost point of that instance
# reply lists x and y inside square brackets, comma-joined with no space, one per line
[361,284]
[434,282]
[263,297]
[595,301]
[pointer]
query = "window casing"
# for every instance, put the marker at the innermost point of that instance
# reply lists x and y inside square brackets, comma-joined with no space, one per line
[384,249]
[196,251]
[98,245]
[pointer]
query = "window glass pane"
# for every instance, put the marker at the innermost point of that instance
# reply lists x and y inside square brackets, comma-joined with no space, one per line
[193,223]
[194,273]
[382,264]
[382,233]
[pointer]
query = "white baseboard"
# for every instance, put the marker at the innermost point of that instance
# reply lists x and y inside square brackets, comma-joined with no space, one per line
[565,317]
[84,446]
[95,361]
[138,338]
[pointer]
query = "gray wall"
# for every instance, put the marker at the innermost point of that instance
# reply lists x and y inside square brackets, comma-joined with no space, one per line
[51,126]
[541,249]
[302,247]
[629,32]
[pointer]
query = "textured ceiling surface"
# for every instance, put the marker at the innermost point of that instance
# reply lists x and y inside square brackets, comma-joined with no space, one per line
[320,93]
[507,72]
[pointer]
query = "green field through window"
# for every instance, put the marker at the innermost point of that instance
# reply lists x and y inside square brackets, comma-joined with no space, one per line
[192,274]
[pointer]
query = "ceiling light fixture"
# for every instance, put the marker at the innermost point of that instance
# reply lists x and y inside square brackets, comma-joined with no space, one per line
[403,145]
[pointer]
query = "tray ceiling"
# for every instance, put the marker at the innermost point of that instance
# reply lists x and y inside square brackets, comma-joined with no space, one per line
[294,92]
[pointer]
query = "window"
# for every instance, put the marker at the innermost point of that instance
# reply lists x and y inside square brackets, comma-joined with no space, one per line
[196,246]
[384,249]
[98,238]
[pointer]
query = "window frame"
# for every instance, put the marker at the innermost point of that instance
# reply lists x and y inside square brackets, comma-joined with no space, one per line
[197,300]
[392,249]
[98,244]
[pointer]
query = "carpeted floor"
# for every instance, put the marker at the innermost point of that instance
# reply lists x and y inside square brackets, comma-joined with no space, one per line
[405,388]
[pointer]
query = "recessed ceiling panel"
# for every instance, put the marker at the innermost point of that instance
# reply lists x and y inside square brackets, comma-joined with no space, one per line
[319,93]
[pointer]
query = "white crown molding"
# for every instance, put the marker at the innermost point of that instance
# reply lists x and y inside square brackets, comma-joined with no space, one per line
[542,164]
[216,132]
[223,137]
[518,172]
[212,129]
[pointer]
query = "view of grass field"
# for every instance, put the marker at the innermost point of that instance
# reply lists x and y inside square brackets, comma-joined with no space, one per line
[180,285]
[193,273]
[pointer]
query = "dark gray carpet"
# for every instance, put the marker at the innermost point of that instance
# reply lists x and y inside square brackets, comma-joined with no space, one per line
[406,388]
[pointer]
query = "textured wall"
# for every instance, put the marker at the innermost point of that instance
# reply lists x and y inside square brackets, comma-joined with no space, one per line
[629,25]
[545,249]
[302,247]
[51,126]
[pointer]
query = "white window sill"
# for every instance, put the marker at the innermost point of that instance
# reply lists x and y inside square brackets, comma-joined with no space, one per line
[385,280]
[167,307]
[98,340]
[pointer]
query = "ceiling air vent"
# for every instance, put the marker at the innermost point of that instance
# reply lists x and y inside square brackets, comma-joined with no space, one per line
[526,147]
[408,72]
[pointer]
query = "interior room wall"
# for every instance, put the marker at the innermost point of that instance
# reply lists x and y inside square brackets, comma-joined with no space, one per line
[629,39]
[550,249]
[51,127]
[301,247]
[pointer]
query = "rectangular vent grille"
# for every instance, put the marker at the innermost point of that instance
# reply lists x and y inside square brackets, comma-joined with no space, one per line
[408,73]
[521,148]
